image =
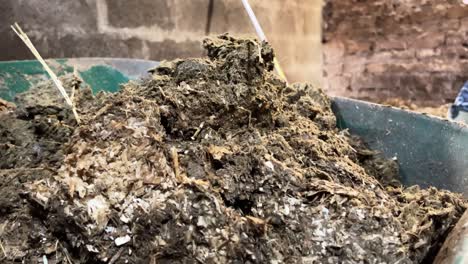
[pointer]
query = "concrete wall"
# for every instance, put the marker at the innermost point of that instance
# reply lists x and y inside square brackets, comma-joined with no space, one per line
[412,49]
[160,29]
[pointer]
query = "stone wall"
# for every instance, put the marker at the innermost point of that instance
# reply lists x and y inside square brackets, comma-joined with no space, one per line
[379,49]
[160,29]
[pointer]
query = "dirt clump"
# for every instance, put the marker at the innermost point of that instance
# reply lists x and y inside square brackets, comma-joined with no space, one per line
[215,160]
[6,106]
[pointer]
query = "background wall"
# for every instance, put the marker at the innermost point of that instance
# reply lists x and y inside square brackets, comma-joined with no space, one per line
[160,29]
[412,49]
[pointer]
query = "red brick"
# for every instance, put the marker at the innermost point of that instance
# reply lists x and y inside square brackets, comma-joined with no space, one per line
[382,56]
[369,82]
[337,84]
[353,46]
[441,84]
[454,39]
[333,51]
[428,41]
[388,67]
[332,70]
[376,68]
[417,52]
[393,44]
[435,25]
[352,68]
[457,11]
[415,83]
[428,53]
[404,55]
[433,65]
[455,52]
[464,24]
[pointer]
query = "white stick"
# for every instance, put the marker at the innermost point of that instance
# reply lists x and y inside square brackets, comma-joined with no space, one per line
[17,29]
[261,35]
[254,20]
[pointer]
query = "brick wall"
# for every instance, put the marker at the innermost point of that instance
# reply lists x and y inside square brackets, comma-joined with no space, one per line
[160,29]
[379,49]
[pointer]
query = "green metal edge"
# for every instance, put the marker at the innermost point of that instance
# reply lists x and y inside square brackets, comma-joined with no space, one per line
[430,151]
[103,78]
[18,76]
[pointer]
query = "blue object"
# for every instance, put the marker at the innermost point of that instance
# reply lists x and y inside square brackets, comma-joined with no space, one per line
[460,104]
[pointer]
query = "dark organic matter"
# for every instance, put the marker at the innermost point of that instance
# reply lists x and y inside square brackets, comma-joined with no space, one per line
[211,160]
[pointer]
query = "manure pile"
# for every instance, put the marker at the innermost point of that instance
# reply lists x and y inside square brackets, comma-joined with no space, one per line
[210,160]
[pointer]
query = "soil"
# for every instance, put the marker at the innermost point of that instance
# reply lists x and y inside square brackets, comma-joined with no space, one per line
[6,106]
[210,160]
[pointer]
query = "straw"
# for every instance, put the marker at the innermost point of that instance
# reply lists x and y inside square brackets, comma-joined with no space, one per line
[17,29]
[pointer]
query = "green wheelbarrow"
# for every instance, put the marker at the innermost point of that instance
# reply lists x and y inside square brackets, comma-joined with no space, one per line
[430,151]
